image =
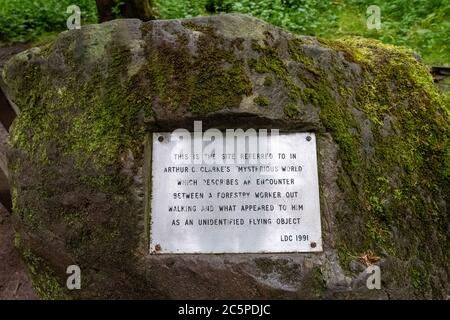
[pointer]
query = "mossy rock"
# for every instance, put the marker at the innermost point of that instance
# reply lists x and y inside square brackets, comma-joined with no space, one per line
[89,100]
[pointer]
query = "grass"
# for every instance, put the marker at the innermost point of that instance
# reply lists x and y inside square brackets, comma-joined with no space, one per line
[422,25]
[28,20]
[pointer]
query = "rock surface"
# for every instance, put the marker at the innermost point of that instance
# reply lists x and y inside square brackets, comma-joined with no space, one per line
[14,280]
[89,100]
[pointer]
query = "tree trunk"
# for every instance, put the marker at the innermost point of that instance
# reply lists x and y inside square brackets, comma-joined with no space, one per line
[140,9]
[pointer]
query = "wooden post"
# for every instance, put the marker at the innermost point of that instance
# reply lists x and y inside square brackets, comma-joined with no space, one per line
[139,9]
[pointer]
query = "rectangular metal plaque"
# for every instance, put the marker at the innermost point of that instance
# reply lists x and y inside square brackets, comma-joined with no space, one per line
[221,199]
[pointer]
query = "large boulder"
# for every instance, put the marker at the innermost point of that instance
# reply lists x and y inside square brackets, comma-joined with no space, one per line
[89,100]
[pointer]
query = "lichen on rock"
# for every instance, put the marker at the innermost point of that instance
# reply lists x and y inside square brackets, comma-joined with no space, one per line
[89,100]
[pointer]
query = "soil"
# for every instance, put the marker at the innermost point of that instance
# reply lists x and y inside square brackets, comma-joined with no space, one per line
[14,279]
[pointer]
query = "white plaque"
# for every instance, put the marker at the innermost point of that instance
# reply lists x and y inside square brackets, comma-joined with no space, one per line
[224,200]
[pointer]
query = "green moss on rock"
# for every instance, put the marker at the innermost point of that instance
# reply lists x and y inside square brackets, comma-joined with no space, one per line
[268,81]
[82,127]
[291,110]
[262,101]
[214,79]
[393,195]
[45,284]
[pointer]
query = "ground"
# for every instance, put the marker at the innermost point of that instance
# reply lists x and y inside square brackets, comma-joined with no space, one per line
[14,280]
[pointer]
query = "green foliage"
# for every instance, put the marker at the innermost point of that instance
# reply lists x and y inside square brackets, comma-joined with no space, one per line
[422,25]
[23,20]
[174,9]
